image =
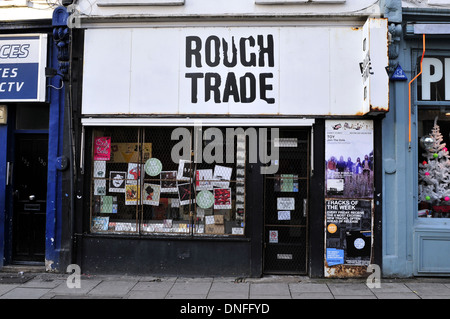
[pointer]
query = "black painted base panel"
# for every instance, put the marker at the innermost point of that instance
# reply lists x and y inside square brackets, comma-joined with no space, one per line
[175,257]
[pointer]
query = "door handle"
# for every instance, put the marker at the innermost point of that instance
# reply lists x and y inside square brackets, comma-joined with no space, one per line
[32,197]
[305,207]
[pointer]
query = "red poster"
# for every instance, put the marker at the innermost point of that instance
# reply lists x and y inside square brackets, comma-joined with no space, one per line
[102,148]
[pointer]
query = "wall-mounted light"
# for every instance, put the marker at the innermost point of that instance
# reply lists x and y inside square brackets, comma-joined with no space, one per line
[50,73]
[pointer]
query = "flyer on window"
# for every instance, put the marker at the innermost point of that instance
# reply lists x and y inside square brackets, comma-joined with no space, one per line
[102,148]
[132,194]
[348,233]
[151,193]
[203,179]
[169,182]
[349,158]
[117,181]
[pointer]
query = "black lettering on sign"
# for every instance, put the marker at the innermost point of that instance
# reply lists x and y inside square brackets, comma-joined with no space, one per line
[217,61]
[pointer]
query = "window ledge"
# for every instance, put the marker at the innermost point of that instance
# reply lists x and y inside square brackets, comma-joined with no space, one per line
[298,1]
[125,3]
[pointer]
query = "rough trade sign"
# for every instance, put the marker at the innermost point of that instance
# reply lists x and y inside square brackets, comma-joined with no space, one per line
[22,67]
[216,59]
[236,70]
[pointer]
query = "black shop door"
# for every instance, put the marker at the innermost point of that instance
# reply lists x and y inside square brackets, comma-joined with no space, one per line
[29,192]
[286,206]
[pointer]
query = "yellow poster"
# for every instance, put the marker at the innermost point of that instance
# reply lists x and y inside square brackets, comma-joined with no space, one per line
[129,152]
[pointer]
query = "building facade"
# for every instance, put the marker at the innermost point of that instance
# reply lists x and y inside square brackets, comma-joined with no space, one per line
[31,132]
[415,135]
[241,138]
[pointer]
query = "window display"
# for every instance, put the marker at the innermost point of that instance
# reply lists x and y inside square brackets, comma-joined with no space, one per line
[138,188]
[434,164]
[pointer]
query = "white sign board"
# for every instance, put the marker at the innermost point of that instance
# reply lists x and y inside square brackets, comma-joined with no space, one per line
[23,58]
[235,70]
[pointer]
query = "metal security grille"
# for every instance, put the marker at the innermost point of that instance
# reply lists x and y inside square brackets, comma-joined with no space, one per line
[285,206]
[149,181]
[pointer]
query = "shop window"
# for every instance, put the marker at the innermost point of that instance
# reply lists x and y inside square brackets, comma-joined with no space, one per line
[434,162]
[144,182]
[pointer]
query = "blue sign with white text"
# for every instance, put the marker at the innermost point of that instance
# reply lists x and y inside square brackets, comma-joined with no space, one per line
[23,59]
[16,81]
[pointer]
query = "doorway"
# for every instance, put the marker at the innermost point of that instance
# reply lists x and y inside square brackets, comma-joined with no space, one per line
[29,193]
[286,206]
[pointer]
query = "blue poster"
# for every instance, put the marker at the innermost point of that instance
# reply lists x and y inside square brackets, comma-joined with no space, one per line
[335,256]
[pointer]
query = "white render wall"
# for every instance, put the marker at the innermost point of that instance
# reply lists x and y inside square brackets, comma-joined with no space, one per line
[225,8]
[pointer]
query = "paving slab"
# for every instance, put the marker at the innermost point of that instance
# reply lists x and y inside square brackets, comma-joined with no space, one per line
[312,295]
[230,287]
[428,289]
[25,293]
[146,294]
[4,288]
[396,295]
[228,295]
[434,297]
[190,288]
[114,287]
[184,296]
[390,287]
[355,297]
[151,286]
[86,286]
[40,282]
[349,289]
[269,290]
[308,287]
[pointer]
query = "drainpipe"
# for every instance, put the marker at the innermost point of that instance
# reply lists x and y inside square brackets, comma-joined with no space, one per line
[409,93]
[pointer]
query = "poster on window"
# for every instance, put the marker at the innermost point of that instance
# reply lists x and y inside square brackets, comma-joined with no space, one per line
[222,176]
[133,173]
[102,148]
[132,194]
[117,181]
[108,204]
[151,193]
[348,233]
[203,179]
[99,178]
[130,152]
[222,198]
[186,194]
[169,182]
[185,170]
[349,158]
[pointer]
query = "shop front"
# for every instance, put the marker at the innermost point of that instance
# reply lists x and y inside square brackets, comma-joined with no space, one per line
[417,229]
[209,149]
[31,131]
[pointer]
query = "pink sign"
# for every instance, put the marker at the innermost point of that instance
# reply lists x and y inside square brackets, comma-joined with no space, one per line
[102,148]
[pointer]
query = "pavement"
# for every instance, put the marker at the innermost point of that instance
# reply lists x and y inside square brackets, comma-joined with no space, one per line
[43,285]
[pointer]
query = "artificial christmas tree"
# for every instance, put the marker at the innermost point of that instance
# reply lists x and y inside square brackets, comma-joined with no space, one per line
[434,172]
